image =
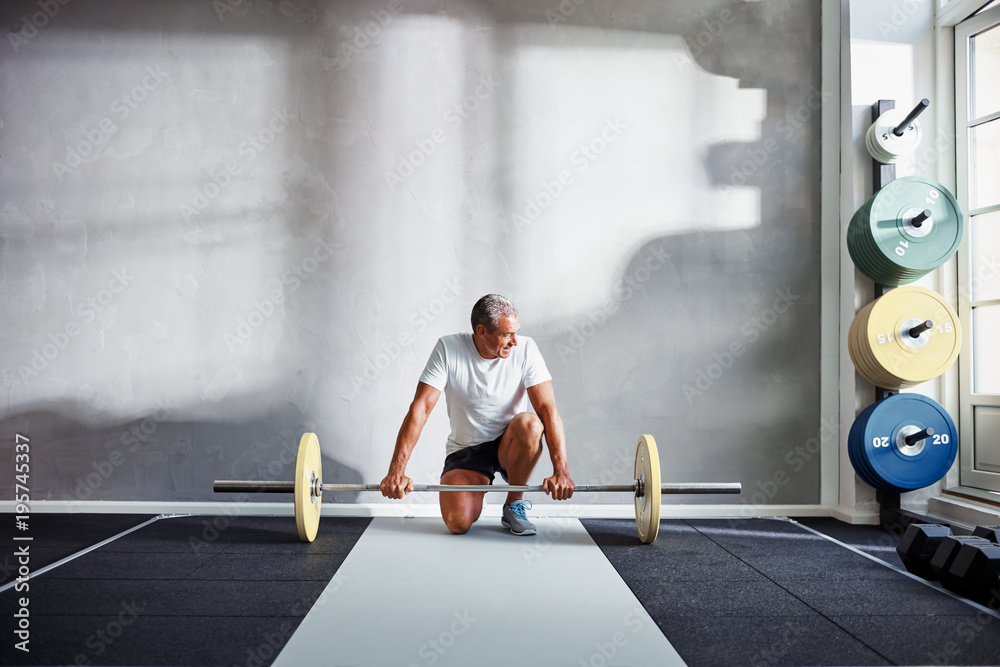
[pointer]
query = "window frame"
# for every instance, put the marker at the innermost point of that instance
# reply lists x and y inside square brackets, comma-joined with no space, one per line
[976,482]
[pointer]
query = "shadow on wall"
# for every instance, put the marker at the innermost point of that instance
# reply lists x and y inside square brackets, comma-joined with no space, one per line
[675,293]
[164,246]
[97,460]
[707,334]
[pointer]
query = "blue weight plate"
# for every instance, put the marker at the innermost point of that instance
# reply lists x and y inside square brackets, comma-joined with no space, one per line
[890,462]
[856,447]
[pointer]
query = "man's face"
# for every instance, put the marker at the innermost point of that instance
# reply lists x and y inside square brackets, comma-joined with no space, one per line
[500,343]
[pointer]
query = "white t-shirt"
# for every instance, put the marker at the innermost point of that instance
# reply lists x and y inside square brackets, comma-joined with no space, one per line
[483,395]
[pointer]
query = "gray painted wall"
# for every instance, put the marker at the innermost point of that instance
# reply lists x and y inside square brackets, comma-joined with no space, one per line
[225,223]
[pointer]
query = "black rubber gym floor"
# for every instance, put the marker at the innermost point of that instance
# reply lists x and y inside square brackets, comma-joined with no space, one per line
[64,535]
[224,591]
[180,591]
[770,592]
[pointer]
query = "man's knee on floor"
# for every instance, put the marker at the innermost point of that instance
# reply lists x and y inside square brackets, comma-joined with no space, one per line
[458,523]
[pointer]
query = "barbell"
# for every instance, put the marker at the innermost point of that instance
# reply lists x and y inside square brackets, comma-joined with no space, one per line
[308,488]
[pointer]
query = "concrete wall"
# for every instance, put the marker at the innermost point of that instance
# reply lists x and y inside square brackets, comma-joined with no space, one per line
[225,223]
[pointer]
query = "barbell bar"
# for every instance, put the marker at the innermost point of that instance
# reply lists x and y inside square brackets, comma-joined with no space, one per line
[308,488]
[240,486]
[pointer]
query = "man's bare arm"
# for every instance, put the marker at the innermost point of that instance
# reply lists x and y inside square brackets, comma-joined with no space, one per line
[543,400]
[396,484]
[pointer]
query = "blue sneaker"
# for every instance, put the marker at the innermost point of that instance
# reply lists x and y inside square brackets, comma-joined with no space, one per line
[515,519]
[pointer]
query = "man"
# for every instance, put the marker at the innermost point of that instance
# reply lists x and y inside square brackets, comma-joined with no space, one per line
[488,377]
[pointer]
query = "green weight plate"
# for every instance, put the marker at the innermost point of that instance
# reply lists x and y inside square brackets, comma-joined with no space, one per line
[888,247]
[915,250]
[867,260]
[866,256]
[856,247]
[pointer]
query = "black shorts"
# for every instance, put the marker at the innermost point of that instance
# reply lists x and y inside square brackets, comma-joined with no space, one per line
[482,458]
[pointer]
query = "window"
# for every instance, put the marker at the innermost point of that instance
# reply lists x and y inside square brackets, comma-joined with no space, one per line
[977,107]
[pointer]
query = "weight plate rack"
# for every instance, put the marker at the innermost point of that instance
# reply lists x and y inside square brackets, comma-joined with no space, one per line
[909,227]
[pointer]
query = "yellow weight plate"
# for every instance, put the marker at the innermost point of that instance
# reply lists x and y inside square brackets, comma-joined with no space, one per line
[853,346]
[647,505]
[882,349]
[900,356]
[873,371]
[861,356]
[308,496]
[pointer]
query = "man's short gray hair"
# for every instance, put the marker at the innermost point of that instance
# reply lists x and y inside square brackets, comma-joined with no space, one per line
[488,311]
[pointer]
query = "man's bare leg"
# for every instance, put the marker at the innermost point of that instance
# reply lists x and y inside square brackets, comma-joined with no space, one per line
[460,509]
[520,449]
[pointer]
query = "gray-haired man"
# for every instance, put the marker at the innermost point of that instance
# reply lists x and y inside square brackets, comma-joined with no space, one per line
[488,376]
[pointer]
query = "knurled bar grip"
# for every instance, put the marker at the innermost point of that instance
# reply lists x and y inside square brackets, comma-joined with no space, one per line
[240,486]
